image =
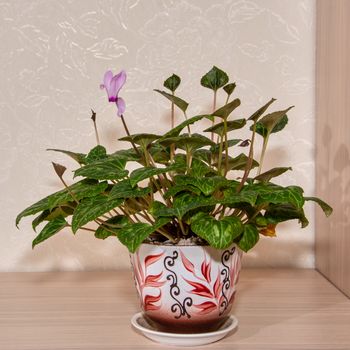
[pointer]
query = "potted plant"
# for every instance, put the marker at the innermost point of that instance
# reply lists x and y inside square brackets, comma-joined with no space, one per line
[189,209]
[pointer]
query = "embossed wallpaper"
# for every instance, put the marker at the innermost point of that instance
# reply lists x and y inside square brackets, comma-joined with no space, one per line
[52,59]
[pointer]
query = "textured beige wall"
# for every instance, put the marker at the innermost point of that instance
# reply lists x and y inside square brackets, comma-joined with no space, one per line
[52,59]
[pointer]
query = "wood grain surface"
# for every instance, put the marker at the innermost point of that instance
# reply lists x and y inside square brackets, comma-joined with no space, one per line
[333,140]
[277,309]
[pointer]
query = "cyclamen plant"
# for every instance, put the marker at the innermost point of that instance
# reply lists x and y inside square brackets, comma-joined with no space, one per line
[187,185]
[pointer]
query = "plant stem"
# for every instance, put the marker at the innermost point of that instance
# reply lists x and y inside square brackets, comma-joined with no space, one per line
[182,227]
[266,139]
[188,127]
[172,113]
[96,133]
[226,146]
[250,160]
[220,154]
[214,108]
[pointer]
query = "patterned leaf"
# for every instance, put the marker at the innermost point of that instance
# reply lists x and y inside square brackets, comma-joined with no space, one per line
[231,125]
[111,168]
[116,223]
[206,307]
[147,172]
[134,234]
[151,259]
[288,195]
[249,238]
[187,263]
[172,83]
[218,233]
[226,110]
[200,289]
[206,270]
[176,100]
[268,175]
[82,189]
[78,157]
[153,281]
[97,153]
[217,287]
[324,206]
[214,79]
[141,139]
[49,230]
[91,208]
[256,115]
[176,131]
[123,189]
[150,300]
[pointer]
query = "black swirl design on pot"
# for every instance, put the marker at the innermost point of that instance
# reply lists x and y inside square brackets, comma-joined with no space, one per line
[179,308]
[226,283]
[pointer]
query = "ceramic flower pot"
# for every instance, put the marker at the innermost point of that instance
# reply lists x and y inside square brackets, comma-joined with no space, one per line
[186,289]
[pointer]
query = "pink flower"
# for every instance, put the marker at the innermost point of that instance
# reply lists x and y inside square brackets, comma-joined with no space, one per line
[113,84]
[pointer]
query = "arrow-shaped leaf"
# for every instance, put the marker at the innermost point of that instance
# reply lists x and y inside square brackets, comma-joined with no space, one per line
[249,238]
[226,110]
[176,100]
[51,228]
[268,175]
[230,125]
[219,234]
[90,209]
[111,168]
[324,206]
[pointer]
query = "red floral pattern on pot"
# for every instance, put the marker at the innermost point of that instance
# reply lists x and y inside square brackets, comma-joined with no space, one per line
[191,287]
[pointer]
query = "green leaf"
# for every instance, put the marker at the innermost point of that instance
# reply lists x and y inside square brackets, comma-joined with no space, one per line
[174,190]
[78,157]
[284,212]
[207,185]
[229,88]
[81,189]
[226,110]
[48,215]
[176,131]
[111,168]
[134,234]
[185,141]
[127,155]
[239,162]
[249,238]
[172,83]
[51,228]
[219,234]
[141,139]
[111,227]
[231,125]
[147,172]
[97,153]
[268,175]
[288,195]
[230,143]
[256,115]
[324,206]
[91,208]
[124,189]
[214,79]
[176,100]
[272,123]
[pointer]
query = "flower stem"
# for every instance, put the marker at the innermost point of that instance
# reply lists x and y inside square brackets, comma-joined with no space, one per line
[128,133]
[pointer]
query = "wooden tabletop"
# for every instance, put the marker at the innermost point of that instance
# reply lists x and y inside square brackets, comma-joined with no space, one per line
[277,309]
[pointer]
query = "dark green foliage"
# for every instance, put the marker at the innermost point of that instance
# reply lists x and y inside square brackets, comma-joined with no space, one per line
[179,184]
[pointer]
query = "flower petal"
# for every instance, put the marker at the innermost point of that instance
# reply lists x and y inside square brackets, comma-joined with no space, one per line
[107,79]
[121,106]
[118,81]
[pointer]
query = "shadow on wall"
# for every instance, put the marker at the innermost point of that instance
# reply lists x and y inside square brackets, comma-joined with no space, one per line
[334,186]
